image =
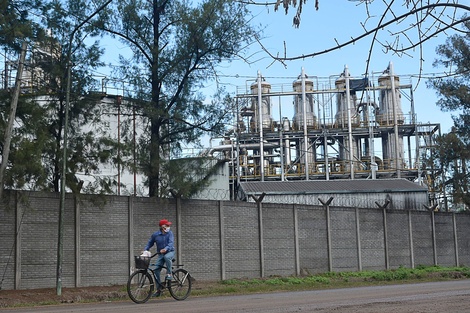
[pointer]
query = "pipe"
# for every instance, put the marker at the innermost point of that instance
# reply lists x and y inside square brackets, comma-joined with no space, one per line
[348,101]
[260,110]
[395,122]
[251,146]
[304,104]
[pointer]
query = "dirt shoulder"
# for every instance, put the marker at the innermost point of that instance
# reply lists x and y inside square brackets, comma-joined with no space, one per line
[37,297]
[33,297]
[11,298]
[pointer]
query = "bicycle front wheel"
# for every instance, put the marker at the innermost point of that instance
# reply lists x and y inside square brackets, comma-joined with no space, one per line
[180,286]
[140,286]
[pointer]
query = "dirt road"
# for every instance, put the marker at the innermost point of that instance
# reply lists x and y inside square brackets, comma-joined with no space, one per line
[438,297]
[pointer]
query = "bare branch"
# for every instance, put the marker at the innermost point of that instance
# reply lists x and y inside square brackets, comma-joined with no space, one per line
[426,9]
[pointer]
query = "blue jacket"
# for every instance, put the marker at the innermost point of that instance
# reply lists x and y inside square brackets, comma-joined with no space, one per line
[162,240]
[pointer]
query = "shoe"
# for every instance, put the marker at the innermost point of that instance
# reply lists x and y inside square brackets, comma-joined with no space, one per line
[168,277]
[158,293]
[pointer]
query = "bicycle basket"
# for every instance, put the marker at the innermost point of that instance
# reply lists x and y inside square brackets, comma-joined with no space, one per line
[141,262]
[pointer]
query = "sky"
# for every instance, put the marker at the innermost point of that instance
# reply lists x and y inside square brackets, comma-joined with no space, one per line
[337,22]
[334,23]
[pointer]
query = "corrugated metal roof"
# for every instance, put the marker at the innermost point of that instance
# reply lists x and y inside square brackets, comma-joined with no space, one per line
[330,186]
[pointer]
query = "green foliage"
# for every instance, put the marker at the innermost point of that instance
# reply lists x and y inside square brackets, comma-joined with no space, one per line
[36,156]
[188,176]
[454,92]
[342,279]
[176,47]
[229,282]
[317,279]
[453,154]
[400,273]
[15,22]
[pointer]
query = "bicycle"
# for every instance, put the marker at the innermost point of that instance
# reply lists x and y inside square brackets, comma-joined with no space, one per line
[141,284]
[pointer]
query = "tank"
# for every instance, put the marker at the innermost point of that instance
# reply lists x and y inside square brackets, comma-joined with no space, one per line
[393,154]
[344,153]
[385,113]
[267,120]
[286,127]
[341,118]
[299,107]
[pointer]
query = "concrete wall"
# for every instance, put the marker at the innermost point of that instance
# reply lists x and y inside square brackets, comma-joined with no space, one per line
[216,239]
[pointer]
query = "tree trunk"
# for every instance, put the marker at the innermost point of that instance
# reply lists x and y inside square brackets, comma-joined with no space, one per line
[154,170]
[11,118]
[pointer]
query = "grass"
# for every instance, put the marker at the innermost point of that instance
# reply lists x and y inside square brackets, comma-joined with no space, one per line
[331,280]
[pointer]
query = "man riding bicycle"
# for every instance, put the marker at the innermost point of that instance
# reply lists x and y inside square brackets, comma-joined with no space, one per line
[164,240]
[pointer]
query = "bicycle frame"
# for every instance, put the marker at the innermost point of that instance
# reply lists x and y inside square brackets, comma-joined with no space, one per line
[143,282]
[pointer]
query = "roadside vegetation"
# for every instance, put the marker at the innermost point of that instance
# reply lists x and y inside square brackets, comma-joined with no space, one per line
[329,280]
[332,280]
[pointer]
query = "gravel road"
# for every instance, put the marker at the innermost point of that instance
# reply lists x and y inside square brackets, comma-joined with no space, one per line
[447,296]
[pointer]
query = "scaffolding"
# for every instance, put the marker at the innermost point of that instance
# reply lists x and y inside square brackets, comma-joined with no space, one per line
[331,135]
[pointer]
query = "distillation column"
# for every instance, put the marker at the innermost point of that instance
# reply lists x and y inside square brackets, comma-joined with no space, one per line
[391,114]
[346,118]
[261,106]
[304,118]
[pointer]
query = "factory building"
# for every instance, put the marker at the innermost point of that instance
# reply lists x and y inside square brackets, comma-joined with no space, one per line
[395,194]
[342,128]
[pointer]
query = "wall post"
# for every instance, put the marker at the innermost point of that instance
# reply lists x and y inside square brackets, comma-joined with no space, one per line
[387,261]
[412,250]
[20,211]
[434,245]
[358,238]
[328,230]
[456,242]
[296,241]
[222,242]
[179,231]
[130,229]
[78,272]
[384,212]
[260,229]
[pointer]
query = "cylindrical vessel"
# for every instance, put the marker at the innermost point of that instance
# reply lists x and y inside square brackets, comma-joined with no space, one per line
[266,118]
[311,119]
[385,115]
[341,118]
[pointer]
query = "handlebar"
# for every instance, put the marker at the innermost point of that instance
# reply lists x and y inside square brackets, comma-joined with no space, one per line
[153,255]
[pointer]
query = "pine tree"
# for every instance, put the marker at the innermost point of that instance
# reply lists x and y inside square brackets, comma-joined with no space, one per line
[15,23]
[37,147]
[176,48]
[454,96]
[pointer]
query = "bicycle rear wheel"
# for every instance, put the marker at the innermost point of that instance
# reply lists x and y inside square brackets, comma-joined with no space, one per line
[140,286]
[180,286]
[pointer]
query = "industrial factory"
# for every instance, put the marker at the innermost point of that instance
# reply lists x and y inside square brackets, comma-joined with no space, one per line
[336,128]
[341,127]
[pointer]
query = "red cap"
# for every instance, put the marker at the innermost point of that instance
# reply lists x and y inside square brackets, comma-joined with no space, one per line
[164,222]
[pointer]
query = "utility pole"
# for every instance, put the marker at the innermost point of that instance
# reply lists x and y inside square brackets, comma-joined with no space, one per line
[11,118]
[60,240]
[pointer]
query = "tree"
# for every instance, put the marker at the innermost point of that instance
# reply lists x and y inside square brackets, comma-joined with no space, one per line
[454,89]
[37,156]
[454,96]
[15,25]
[286,4]
[176,48]
[454,155]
